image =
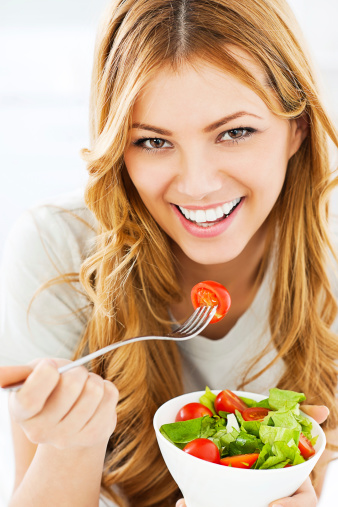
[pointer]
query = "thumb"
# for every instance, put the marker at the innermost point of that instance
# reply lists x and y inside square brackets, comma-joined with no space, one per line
[305,495]
[180,503]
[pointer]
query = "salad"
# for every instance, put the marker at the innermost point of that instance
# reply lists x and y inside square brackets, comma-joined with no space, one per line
[239,432]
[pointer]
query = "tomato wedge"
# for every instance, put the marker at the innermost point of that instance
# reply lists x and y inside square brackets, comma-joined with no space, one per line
[211,293]
[192,411]
[306,448]
[203,448]
[240,461]
[255,413]
[227,401]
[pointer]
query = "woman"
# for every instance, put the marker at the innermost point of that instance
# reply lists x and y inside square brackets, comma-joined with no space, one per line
[209,160]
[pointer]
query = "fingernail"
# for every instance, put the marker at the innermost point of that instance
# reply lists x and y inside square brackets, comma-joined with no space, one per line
[51,361]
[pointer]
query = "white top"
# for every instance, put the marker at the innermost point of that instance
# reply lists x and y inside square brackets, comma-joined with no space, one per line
[49,240]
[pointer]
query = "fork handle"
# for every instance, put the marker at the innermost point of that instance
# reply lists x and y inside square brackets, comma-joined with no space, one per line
[13,377]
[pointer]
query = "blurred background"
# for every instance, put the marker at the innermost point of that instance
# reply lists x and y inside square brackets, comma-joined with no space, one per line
[45,65]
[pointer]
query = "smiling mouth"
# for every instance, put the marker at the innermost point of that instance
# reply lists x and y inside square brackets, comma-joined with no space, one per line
[211,216]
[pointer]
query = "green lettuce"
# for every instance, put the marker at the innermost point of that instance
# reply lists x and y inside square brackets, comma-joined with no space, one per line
[275,438]
[208,400]
[282,399]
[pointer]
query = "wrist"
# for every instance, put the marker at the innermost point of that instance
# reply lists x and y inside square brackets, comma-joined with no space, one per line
[95,452]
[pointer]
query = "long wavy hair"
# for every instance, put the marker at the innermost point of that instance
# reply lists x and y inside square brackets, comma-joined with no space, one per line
[131,279]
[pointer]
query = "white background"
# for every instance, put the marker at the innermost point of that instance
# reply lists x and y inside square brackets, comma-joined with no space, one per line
[46,50]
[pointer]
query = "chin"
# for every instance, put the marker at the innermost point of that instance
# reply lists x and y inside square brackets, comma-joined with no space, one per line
[210,256]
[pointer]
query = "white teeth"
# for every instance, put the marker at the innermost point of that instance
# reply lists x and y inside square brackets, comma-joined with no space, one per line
[184,211]
[202,217]
[192,215]
[211,215]
[227,207]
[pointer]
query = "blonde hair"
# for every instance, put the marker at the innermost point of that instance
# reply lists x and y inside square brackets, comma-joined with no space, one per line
[131,278]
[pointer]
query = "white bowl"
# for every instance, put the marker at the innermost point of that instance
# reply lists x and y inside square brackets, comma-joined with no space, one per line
[205,484]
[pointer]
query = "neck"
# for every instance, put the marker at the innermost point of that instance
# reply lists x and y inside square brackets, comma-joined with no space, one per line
[239,276]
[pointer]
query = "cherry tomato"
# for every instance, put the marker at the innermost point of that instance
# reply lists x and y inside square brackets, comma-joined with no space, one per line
[227,401]
[192,411]
[203,448]
[240,461]
[211,294]
[255,413]
[306,448]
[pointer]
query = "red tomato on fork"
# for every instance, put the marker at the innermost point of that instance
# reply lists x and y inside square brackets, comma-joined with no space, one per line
[203,448]
[192,411]
[255,413]
[227,401]
[211,293]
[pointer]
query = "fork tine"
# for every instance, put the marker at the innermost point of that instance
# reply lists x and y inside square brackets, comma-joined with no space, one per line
[204,320]
[197,322]
[211,312]
[191,321]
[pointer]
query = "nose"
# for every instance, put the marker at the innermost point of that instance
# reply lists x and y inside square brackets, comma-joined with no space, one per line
[198,175]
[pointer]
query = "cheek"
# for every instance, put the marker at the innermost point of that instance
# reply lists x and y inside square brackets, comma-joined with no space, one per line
[263,169]
[149,179]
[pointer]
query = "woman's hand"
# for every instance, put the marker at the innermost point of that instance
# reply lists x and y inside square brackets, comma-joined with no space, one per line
[75,409]
[305,496]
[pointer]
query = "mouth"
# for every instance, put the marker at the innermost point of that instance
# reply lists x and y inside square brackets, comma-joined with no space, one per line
[205,218]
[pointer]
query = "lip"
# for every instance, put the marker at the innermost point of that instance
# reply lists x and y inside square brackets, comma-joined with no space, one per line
[207,232]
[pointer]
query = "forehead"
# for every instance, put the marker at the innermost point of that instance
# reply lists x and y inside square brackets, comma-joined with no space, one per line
[198,84]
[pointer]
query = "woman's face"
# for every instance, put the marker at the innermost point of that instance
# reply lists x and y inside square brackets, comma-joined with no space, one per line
[208,158]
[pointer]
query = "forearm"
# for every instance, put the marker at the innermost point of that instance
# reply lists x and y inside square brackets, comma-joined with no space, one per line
[70,478]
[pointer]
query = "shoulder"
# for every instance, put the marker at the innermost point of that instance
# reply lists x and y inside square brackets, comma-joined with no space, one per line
[42,311]
[62,228]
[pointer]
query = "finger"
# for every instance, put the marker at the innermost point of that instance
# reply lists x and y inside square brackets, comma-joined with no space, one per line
[30,399]
[41,427]
[180,503]
[305,495]
[65,395]
[103,422]
[318,412]
[13,374]
[86,405]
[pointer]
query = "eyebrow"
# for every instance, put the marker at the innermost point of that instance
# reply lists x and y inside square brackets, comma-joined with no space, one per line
[209,128]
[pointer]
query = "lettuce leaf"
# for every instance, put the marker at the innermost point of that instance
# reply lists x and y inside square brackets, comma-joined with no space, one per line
[253,403]
[182,432]
[208,400]
[272,434]
[245,444]
[278,455]
[283,399]
[285,419]
[248,426]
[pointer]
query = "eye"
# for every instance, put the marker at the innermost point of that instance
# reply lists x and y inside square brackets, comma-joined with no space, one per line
[239,134]
[152,143]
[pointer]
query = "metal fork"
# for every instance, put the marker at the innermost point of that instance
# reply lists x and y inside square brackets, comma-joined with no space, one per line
[190,328]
